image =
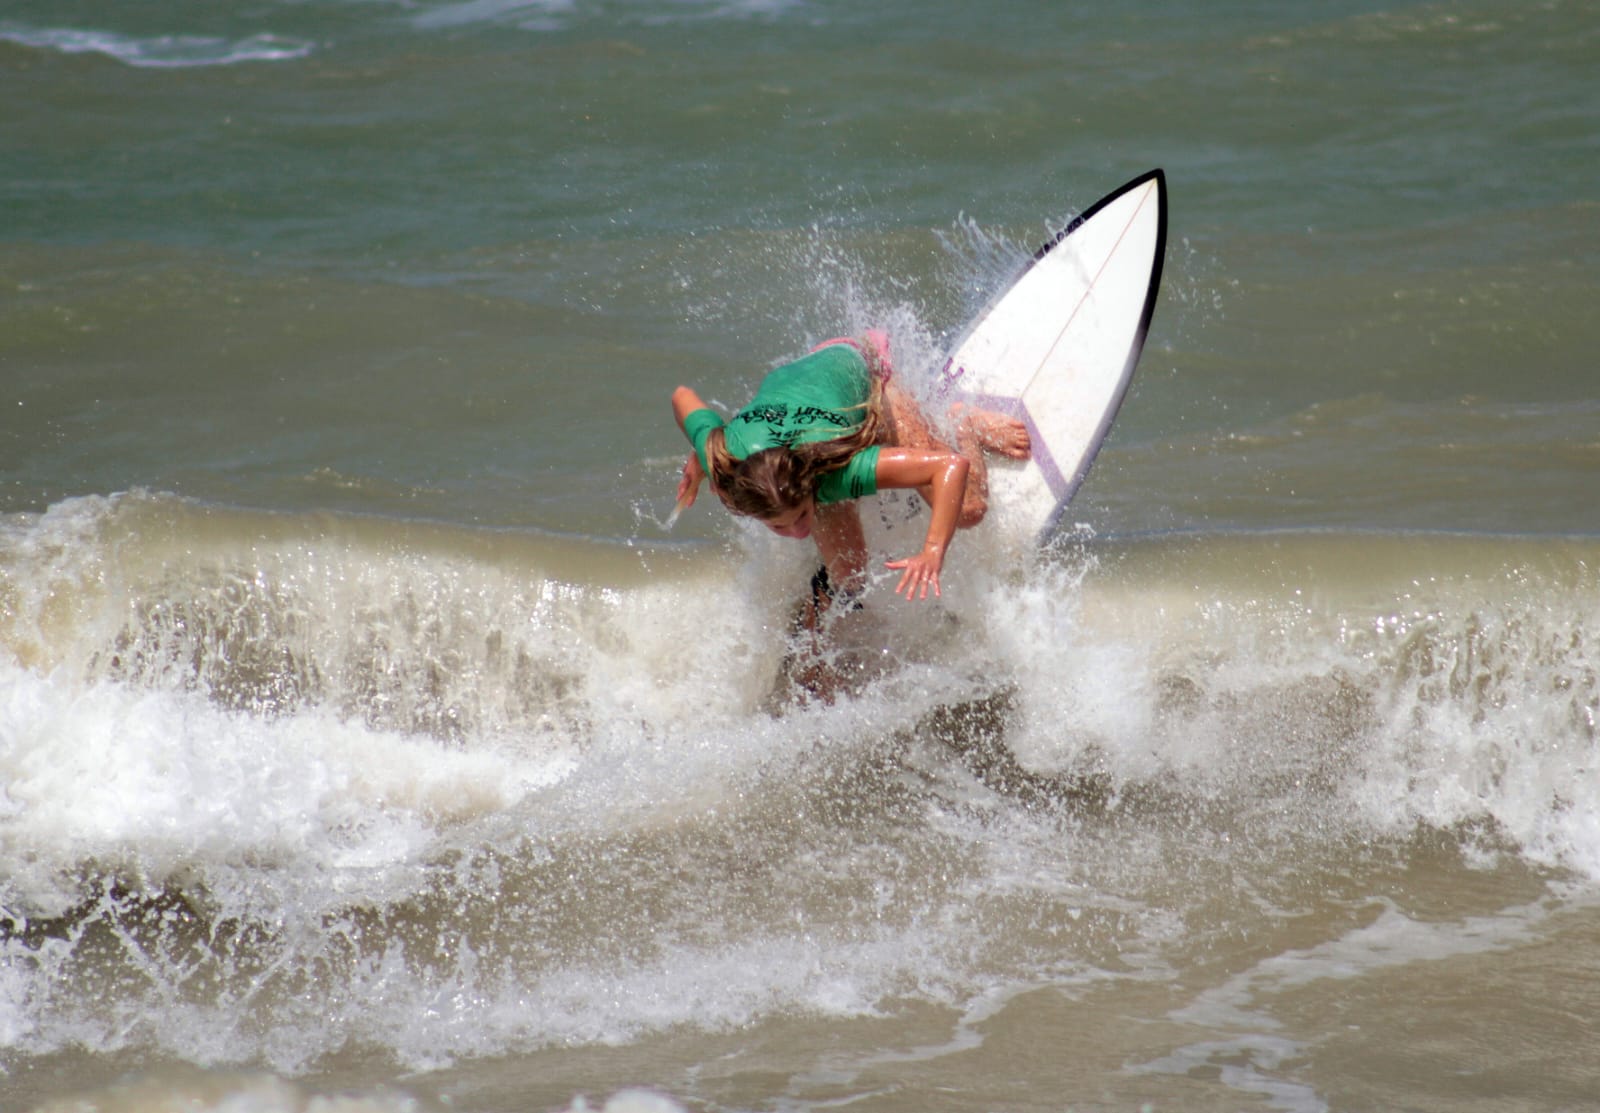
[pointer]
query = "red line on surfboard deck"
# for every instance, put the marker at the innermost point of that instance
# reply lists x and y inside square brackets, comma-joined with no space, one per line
[1149,191]
[951,378]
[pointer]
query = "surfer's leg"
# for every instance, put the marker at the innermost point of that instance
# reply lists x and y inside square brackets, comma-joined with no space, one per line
[998,433]
[978,434]
[908,425]
[909,428]
[808,668]
[842,544]
[975,502]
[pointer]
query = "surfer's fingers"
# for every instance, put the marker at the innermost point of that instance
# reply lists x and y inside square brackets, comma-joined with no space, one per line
[916,576]
[905,575]
[905,570]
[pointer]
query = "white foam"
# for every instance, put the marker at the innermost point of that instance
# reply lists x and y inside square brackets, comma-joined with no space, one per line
[531,14]
[478,748]
[227,1092]
[628,1101]
[159,783]
[160,51]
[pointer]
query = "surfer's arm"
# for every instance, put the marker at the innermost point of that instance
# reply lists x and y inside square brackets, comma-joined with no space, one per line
[689,482]
[685,402]
[941,477]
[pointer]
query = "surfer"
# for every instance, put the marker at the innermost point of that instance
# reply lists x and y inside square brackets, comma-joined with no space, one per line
[832,427]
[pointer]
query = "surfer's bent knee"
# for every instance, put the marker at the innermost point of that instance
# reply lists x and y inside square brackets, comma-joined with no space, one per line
[973,511]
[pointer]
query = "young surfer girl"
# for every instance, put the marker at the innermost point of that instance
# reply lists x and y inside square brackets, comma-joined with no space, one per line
[834,426]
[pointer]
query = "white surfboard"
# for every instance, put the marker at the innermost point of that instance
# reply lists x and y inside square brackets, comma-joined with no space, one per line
[1058,348]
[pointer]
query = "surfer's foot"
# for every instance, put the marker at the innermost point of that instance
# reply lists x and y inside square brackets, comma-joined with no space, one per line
[994,432]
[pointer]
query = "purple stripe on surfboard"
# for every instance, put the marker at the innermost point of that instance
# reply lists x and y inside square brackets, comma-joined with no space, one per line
[1039,451]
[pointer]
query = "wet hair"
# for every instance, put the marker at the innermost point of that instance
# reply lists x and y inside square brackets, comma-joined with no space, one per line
[765,484]
[774,481]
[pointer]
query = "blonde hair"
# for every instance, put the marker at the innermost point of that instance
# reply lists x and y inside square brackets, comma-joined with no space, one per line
[773,481]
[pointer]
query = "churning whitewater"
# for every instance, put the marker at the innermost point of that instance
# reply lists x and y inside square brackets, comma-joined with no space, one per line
[277,788]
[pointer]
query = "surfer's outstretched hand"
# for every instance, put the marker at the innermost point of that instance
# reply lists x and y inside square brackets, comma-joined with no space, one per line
[689,481]
[918,573]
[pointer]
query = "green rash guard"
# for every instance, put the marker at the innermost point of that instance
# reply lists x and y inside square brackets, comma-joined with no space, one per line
[819,397]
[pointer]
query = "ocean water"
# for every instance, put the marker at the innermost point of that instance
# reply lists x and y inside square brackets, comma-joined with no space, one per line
[368,741]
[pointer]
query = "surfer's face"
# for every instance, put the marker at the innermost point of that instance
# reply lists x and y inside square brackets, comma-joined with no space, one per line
[794,523]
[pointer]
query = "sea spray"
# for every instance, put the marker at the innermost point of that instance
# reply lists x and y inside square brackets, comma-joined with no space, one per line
[263,772]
